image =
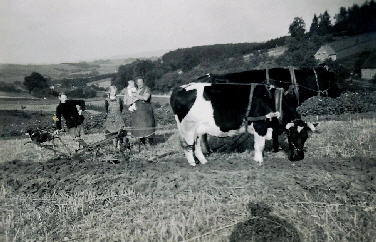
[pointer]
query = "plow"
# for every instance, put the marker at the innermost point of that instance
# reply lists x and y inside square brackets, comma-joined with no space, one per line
[102,150]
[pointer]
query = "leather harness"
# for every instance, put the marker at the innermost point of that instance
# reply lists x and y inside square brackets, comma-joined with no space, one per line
[278,95]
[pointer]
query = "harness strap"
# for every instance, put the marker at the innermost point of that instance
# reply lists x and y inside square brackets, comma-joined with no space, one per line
[268,116]
[245,121]
[294,84]
[250,98]
[267,76]
[278,102]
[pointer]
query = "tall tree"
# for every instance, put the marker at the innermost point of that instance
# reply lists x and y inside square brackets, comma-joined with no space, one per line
[35,80]
[325,25]
[142,67]
[341,19]
[297,28]
[314,29]
[354,22]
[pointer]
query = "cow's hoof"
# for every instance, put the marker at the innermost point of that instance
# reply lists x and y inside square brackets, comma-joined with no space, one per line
[192,164]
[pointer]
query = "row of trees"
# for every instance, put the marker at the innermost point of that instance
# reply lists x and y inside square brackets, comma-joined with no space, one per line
[351,21]
[39,86]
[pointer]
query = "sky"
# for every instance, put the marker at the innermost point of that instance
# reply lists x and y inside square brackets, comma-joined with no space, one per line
[55,31]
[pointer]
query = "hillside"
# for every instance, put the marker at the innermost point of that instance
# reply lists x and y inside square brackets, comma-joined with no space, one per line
[348,46]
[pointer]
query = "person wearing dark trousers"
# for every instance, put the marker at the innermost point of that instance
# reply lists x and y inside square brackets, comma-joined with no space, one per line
[71,111]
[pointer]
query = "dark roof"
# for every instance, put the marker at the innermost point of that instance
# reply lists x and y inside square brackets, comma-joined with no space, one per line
[370,61]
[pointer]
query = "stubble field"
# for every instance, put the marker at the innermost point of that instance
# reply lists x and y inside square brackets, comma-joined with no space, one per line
[152,194]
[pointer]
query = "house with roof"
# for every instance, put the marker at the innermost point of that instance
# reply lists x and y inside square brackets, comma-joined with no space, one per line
[325,52]
[368,68]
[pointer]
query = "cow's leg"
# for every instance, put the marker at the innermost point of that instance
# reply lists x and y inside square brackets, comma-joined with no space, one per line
[276,132]
[187,133]
[198,150]
[259,147]
[275,141]
[187,146]
[205,144]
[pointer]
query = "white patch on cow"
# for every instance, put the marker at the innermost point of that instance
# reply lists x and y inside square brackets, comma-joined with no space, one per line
[269,134]
[289,125]
[311,126]
[300,128]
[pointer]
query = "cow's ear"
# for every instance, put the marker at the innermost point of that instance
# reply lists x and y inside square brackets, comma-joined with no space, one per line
[289,125]
[312,126]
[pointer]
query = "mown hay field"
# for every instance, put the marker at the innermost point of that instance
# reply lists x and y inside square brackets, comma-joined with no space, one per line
[153,194]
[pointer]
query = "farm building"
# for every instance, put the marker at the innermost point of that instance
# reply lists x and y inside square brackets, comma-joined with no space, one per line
[368,68]
[325,52]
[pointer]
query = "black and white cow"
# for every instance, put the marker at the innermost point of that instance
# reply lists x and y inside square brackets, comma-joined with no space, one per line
[226,110]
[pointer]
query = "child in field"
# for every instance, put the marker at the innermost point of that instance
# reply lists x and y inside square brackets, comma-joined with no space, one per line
[132,90]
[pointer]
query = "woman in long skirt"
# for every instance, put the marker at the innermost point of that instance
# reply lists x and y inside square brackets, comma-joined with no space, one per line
[143,121]
[114,121]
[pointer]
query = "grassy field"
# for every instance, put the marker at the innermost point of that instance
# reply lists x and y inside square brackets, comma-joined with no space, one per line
[155,195]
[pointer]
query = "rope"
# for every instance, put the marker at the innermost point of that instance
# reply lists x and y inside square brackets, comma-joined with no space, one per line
[317,82]
[245,121]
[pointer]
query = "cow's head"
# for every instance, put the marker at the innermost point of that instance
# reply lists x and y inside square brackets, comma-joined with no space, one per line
[297,134]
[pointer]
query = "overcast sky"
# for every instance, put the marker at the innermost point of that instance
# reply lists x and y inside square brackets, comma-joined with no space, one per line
[54,31]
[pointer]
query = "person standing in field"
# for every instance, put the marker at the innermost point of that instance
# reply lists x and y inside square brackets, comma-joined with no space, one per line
[143,121]
[71,111]
[114,123]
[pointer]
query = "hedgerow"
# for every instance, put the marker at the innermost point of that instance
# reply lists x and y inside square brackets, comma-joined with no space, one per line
[348,102]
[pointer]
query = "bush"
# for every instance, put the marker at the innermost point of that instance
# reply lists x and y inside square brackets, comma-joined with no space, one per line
[348,102]
[8,87]
[82,93]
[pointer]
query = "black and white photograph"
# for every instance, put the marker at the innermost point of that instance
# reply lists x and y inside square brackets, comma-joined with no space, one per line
[188,120]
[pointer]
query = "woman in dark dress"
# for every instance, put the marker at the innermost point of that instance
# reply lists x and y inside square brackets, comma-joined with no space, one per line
[143,122]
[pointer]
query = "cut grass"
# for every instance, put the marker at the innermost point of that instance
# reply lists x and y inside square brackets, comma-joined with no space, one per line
[157,196]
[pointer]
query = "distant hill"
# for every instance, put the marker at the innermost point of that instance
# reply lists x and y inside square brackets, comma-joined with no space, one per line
[9,73]
[153,55]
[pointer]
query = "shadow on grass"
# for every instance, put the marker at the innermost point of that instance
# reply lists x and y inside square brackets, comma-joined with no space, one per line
[264,227]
